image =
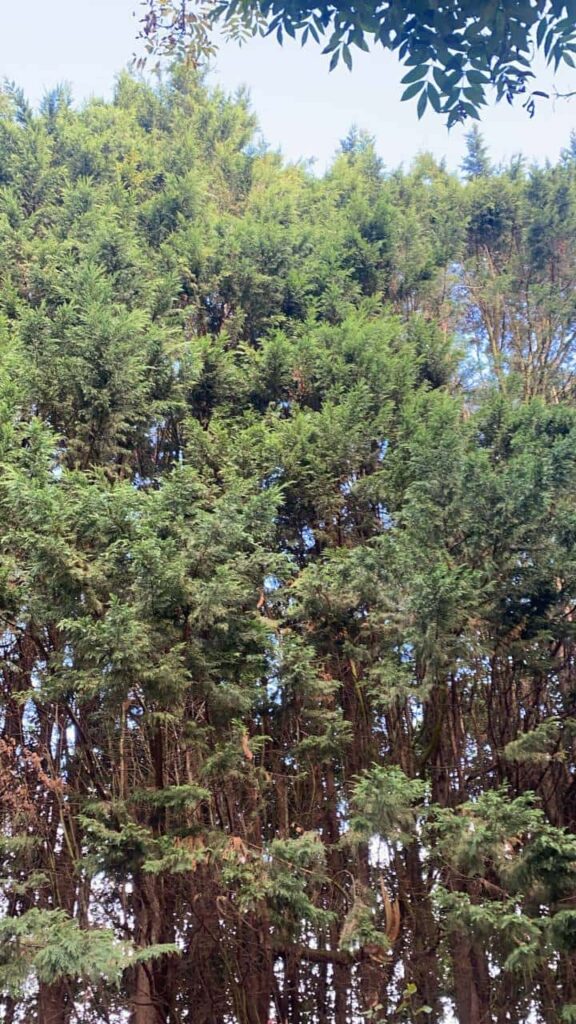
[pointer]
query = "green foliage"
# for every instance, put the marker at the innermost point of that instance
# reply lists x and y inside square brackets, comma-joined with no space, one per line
[454,51]
[49,945]
[287,486]
[359,929]
[387,798]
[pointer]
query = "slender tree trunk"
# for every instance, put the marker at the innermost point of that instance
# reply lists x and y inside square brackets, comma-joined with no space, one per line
[423,968]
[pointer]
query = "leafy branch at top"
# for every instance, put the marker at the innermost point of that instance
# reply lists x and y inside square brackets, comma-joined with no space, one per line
[454,51]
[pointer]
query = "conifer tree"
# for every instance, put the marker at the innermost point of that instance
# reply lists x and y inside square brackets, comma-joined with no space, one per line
[476,163]
[287,486]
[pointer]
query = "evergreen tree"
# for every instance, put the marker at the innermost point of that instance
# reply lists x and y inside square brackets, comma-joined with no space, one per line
[287,724]
[476,163]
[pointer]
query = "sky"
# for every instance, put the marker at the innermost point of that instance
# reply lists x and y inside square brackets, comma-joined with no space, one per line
[303,109]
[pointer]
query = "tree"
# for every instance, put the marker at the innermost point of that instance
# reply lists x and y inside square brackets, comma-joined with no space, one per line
[287,576]
[454,51]
[476,163]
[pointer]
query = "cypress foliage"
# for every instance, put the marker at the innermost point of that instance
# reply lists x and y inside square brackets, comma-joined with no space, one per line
[287,583]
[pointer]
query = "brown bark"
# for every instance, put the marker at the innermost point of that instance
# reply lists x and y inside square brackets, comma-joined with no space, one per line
[471,981]
[256,969]
[54,1004]
[145,1008]
[422,966]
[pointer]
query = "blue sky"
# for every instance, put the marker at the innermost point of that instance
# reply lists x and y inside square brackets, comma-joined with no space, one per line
[303,109]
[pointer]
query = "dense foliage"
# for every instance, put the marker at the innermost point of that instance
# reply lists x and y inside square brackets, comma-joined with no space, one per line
[455,49]
[288,470]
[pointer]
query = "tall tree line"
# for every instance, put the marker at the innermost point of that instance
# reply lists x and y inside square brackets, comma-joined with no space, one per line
[288,575]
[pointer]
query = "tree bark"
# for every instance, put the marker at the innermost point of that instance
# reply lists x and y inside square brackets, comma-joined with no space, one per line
[471,982]
[54,1006]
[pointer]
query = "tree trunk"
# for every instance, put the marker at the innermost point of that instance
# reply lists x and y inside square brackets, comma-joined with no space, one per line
[144,1006]
[471,983]
[53,1003]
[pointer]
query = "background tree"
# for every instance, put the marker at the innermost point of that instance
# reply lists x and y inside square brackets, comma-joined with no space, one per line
[476,163]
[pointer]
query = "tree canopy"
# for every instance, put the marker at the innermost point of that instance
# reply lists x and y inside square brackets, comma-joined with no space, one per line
[287,576]
[456,53]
